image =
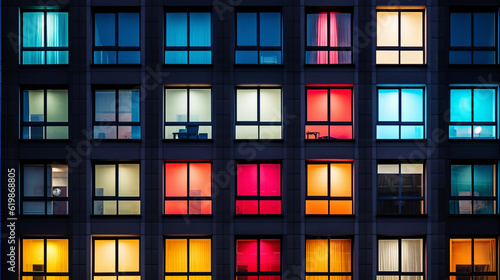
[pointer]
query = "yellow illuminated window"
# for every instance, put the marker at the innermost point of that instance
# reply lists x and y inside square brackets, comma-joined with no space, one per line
[115,258]
[43,257]
[188,259]
[328,257]
[329,189]
[473,258]
[400,37]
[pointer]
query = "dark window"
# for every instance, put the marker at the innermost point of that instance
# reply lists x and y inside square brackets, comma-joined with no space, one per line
[473,189]
[258,258]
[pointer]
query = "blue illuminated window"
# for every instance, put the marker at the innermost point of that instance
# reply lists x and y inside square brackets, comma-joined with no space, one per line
[188,38]
[472,38]
[473,189]
[473,113]
[44,37]
[116,38]
[401,113]
[258,38]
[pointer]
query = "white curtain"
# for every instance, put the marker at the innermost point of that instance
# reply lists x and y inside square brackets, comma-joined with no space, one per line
[411,255]
[388,255]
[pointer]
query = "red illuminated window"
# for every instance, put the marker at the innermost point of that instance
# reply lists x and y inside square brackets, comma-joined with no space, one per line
[329,113]
[188,188]
[258,188]
[258,259]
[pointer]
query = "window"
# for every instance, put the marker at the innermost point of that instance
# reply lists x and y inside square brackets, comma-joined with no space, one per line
[45,189]
[473,258]
[329,113]
[188,38]
[328,38]
[401,259]
[401,113]
[400,37]
[44,258]
[188,113]
[258,258]
[188,259]
[258,113]
[45,114]
[117,189]
[329,188]
[472,38]
[188,188]
[473,113]
[44,37]
[473,189]
[114,258]
[258,188]
[116,38]
[328,258]
[258,38]
[117,114]
[400,189]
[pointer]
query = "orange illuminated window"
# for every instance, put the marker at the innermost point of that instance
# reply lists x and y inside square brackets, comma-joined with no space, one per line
[329,113]
[44,258]
[188,259]
[473,258]
[329,189]
[188,188]
[114,258]
[328,257]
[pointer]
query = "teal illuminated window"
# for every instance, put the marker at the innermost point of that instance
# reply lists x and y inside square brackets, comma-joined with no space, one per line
[188,38]
[258,38]
[473,113]
[44,37]
[473,189]
[116,38]
[401,113]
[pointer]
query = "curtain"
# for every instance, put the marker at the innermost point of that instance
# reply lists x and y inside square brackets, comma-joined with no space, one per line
[388,255]
[411,255]
[33,34]
[199,33]
[340,36]
[176,255]
[200,253]
[57,29]
[57,255]
[33,253]
[176,29]
[322,38]
[317,255]
[340,255]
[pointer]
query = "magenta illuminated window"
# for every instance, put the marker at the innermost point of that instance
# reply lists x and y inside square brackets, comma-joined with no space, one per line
[258,189]
[258,259]
[188,188]
[329,113]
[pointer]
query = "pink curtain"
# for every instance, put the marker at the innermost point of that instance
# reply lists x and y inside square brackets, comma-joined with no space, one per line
[334,55]
[322,38]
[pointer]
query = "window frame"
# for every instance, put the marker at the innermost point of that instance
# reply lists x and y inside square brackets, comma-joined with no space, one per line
[187,48]
[43,274]
[257,123]
[116,48]
[472,274]
[401,198]
[328,48]
[399,273]
[117,257]
[188,274]
[258,197]
[45,48]
[44,123]
[258,273]
[116,197]
[45,198]
[400,123]
[116,123]
[330,273]
[258,48]
[472,123]
[329,123]
[399,48]
[328,197]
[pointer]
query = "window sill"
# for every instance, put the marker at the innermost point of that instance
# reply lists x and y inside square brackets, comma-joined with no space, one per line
[259,140]
[402,140]
[473,65]
[43,65]
[329,65]
[473,215]
[115,216]
[259,65]
[116,140]
[189,65]
[115,65]
[391,216]
[42,140]
[44,216]
[401,65]
[259,215]
[187,215]
[329,140]
[330,215]
[473,140]
[188,140]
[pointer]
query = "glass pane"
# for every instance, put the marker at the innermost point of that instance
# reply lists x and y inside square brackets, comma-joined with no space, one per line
[57,57]
[200,255]
[247,132]
[340,57]
[57,208]
[317,207]
[57,29]
[105,105]
[246,176]
[388,185]
[459,131]
[412,28]
[57,255]
[200,57]
[129,207]
[483,180]
[34,180]
[176,179]
[270,132]
[340,29]
[104,256]
[105,177]
[270,29]
[33,57]
[176,207]
[270,57]
[317,179]
[412,57]
[200,109]
[340,255]
[317,105]
[316,255]
[128,29]
[460,57]
[484,57]
[270,207]
[387,277]
[270,255]
[34,106]
[485,132]
[340,179]
[270,105]
[341,207]
[129,57]
[199,30]
[176,57]
[246,106]
[340,105]
[200,179]
[33,29]
[128,106]
[317,132]
[107,207]
[484,29]
[246,255]
[105,57]
[460,255]
[176,255]
[317,57]
[460,29]
[247,207]
[460,105]
[388,255]
[387,57]
[246,57]
[387,132]
[484,207]
[34,208]
[176,30]
[104,29]
[59,175]
[411,185]
[412,132]
[270,179]
[129,132]
[411,207]
[317,29]
[485,255]
[200,207]
[412,105]
[484,105]
[246,29]
[412,255]
[33,255]
[176,106]
[57,105]
[460,207]
[388,105]
[128,255]
[387,29]
[105,132]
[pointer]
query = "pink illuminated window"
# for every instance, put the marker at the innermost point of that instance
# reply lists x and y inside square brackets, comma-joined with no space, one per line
[329,113]
[188,188]
[258,189]
[258,259]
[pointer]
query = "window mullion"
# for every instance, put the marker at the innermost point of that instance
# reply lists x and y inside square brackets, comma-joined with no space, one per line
[188,187]
[117,189]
